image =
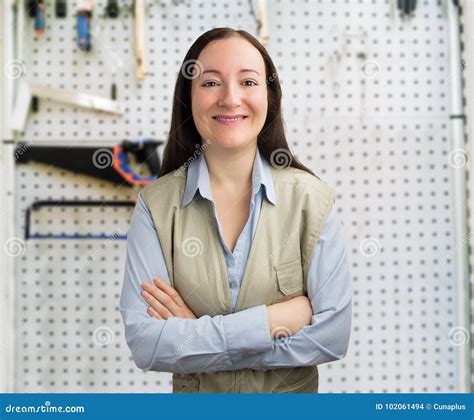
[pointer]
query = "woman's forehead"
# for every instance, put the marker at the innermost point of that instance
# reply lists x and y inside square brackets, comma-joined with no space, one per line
[227,54]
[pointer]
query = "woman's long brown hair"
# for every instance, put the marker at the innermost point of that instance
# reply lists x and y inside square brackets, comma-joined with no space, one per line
[183,137]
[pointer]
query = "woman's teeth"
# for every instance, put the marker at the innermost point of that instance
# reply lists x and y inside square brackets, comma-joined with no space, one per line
[229,119]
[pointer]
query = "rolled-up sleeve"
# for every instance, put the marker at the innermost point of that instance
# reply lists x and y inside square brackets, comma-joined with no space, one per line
[179,345]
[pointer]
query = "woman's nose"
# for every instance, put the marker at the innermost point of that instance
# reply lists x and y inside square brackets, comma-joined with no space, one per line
[230,96]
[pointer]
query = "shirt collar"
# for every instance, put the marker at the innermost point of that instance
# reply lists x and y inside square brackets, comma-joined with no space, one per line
[198,179]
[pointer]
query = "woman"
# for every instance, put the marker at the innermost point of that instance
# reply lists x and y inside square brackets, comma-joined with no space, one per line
[236,277]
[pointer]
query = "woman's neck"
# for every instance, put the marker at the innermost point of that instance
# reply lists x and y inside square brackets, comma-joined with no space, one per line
[231,171]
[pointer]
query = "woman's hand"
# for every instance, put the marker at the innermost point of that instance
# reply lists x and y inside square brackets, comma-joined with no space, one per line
[288,317]
[164,301]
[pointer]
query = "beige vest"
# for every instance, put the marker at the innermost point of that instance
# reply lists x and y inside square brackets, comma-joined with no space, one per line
[276,270]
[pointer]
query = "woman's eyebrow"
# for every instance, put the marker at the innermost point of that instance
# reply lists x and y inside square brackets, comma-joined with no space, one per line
[241,71]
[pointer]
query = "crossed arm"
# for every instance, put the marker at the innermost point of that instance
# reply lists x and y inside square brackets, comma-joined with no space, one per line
[284,318]
[164,335]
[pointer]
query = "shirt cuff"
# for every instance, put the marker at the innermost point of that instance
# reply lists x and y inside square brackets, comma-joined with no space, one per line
[247,331]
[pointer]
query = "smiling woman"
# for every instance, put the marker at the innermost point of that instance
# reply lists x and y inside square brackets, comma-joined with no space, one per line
[227,94]
[237,277]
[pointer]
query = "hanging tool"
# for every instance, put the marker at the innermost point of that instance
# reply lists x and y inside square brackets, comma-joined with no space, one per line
[71,203]
[31,6]
[140,40]
[262,22]
[112,9]
[406,7]
[108,163]
[35,10]
[39,18]
[61,8]
[113,87]
[27,92]
[145,152]
[84,18]
[259,12]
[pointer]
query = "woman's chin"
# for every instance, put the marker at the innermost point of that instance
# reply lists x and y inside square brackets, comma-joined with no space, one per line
[228,143]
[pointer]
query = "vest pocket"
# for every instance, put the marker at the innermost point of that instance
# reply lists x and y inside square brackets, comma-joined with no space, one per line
[290,278]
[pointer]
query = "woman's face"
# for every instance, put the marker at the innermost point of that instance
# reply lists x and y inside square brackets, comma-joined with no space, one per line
[229,95]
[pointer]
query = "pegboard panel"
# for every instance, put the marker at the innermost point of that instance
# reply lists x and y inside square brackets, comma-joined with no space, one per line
[365,100]
[54,59]
[468,81]
[332,64]
[397,219]
[69,329]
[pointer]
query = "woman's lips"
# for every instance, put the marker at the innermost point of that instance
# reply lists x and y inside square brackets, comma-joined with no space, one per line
[230,120]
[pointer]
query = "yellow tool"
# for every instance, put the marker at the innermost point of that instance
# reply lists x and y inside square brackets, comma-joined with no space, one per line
[140,48]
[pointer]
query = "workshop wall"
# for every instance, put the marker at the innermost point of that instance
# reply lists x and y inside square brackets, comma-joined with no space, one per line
[366,107]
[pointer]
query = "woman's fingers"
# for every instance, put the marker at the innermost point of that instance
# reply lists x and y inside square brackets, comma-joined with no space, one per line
[153,313]
[182,309]
[150,296]
[162,297]
[170,291]
[165,300]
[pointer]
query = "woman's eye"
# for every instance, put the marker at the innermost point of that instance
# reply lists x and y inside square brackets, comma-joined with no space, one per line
[212,83]
[209,84]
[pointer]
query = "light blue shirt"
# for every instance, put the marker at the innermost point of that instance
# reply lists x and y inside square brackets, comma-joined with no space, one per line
[241,339]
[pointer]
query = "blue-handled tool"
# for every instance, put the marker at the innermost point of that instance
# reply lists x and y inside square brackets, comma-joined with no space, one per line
[39,18]
[84,18]
[35,9]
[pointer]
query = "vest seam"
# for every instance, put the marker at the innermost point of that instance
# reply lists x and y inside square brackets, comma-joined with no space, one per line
[316,233]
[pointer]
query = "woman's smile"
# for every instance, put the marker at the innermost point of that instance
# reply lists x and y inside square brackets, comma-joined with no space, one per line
[230,119]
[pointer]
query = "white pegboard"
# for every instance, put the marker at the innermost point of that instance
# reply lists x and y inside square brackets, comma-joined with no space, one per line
[467,57]
[365,97]
[71,332]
